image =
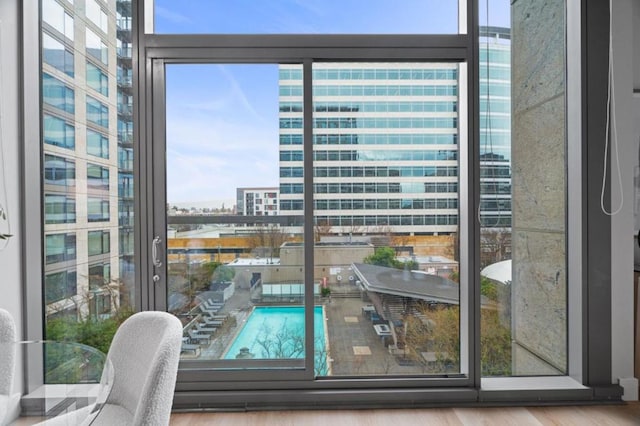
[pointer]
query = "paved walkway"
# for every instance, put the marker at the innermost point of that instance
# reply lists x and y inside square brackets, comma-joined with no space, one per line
[355,347]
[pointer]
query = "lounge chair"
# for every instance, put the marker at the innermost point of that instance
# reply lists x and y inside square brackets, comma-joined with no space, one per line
[205,310]
[210,304]
[199,337]
[200,328]
[189,347]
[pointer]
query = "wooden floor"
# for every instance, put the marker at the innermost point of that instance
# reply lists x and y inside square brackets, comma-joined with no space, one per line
[613,415]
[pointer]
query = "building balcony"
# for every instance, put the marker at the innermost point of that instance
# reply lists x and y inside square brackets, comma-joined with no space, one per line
[125,166]
[125,52]
[125,109]
[124,24]
[125,81]
[125,138]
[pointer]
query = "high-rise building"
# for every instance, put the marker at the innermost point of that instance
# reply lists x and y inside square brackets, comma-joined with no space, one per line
[495,127]
[385,143]
[262,201]
[87,144]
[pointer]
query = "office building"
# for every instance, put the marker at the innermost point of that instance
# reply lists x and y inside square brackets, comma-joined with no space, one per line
[386,143]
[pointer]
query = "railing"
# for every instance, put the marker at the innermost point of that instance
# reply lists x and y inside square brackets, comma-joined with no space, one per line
[125,137]
[125,80]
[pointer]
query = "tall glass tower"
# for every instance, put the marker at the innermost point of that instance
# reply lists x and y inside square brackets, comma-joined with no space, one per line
[385,143]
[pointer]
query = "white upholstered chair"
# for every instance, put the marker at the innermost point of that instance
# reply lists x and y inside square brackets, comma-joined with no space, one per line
[9,402]
[144,353]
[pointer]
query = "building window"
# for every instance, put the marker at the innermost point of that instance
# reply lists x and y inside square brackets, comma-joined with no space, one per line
[97,144]
[96,15]
[60,248]
[57,94]
[97,80]
[97,177]
[98,242]
[59,209]
[101,305]
[97,112]
[58,132]
[125,186]
[60,285]
[55,53]
[55,15]
[97,210]
[96,47]
[59,171]
[99,275]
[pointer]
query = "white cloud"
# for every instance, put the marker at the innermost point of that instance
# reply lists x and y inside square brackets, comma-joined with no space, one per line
[209,160]
[171,16]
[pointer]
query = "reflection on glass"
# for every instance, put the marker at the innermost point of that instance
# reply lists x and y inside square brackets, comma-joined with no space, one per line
[523,189]
[308,17]
[385,212]
[88,229]
[235,258]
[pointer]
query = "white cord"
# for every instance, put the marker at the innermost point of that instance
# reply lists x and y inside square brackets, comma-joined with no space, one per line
[611,115]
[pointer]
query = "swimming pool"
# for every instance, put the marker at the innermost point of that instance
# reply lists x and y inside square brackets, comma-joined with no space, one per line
[276,332]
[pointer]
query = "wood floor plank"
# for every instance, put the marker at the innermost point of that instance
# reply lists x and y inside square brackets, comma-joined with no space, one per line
[610,415]
[589,416]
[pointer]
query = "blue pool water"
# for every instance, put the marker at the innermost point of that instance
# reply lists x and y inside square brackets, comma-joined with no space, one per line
[273,332]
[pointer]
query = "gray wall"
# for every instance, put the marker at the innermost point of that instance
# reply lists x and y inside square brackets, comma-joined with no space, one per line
[10,257]
[622,190]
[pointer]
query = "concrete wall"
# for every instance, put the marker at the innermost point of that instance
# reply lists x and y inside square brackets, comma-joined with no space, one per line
[539,287]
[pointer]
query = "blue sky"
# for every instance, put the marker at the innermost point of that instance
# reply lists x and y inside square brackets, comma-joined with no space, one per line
[222,120]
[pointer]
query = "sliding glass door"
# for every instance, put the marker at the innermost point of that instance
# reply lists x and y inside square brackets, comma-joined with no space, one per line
[308,217]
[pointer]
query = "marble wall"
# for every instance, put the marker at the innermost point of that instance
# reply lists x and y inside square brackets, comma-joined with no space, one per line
[539,286]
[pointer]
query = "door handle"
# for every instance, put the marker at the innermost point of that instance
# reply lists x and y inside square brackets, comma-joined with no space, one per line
[154,252]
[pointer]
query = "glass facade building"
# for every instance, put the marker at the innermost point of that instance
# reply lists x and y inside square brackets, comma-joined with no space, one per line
[86,82]
[386,140]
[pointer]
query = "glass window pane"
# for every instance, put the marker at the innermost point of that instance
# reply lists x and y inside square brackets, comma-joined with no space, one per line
[371,232]
[57,94]
[97,144]
[223,126]
[75,207]
[97,112]
[54,15]
[58,132]
[310,17]
[96,15]
[96,47]
[97,79]
[59,171]
[523,189]
[97,209]
[55,54]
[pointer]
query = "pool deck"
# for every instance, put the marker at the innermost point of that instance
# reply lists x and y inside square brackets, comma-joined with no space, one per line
[354,346]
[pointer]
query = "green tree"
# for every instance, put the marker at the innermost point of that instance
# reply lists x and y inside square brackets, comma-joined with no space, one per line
[438,330]
[382,256]
[97,333]
[488,288]
[386,256]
